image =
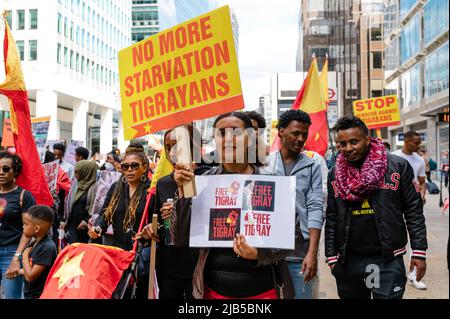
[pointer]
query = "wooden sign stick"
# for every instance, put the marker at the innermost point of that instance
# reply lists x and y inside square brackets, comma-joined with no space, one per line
[152,259]
[184,156]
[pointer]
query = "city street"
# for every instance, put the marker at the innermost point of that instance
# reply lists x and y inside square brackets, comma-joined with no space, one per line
[437,276]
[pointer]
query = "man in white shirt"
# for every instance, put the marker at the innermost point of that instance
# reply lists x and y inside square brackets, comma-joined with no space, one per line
[412,142]
[409,152]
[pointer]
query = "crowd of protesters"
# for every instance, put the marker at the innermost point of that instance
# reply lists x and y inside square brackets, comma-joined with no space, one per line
[365,199]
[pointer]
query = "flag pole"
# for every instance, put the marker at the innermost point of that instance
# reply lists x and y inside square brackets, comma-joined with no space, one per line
[151,286]
[330,140]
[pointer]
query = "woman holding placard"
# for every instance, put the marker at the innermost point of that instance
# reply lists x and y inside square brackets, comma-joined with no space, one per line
[243,271]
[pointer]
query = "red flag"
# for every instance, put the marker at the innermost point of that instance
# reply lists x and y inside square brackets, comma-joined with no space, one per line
[310,99]
[32,177]
[86,271]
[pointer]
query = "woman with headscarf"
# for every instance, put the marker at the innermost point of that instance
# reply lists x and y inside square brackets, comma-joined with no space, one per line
[80,201]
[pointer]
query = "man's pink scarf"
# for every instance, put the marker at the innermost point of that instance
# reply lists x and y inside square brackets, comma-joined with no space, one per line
[356,184]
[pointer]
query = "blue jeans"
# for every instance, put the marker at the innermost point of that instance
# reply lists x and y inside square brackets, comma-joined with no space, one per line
[302,290]
[12,288]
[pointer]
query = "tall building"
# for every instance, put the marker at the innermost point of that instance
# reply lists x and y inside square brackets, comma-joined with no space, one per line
[144,14]
[314,32]
[371,48]
[416,69]
[330,27]
[68,50]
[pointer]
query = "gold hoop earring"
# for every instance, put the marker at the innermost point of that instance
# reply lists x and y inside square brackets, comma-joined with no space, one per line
[143,178]
[124,179]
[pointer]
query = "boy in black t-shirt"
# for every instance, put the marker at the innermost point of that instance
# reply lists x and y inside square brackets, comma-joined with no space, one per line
[39,256]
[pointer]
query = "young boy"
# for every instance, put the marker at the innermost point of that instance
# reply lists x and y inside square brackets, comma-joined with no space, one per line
[39,256]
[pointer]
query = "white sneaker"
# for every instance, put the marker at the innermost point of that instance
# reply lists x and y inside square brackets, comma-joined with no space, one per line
[419,285]
[411,277]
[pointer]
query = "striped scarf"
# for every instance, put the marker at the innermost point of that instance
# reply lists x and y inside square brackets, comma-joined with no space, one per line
[356,184]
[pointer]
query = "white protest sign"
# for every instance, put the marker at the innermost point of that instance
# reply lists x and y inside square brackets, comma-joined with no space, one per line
[51,174]
[261,207]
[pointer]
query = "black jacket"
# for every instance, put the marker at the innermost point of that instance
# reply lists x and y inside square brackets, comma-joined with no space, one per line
[396,201]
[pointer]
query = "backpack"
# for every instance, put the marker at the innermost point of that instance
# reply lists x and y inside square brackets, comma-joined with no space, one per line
[432,188]
[432,164]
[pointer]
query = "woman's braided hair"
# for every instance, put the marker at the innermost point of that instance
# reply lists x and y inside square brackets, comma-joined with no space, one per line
[130,214]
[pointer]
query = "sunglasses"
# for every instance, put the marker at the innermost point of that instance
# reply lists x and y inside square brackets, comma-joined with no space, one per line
[126,167]
[5,169]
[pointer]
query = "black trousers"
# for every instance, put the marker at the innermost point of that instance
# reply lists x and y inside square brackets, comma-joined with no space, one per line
[174,287]
[363,277]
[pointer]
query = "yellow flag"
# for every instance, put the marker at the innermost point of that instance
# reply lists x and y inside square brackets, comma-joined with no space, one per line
[324,82]
[164,168]
[310,98]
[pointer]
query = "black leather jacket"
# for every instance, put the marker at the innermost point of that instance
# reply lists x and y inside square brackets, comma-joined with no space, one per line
[396,201]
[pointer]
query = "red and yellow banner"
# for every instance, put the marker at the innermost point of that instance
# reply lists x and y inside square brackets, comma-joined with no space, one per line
[86,271]
[185,73]
[32,177]
[378,112]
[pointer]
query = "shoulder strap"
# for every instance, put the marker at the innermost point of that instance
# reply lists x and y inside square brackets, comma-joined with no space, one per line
[21,198]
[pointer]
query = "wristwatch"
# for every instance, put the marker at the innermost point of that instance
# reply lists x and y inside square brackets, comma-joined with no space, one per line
[19,256]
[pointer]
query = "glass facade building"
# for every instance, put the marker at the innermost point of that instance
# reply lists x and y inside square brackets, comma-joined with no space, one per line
[145,19]
[416,68]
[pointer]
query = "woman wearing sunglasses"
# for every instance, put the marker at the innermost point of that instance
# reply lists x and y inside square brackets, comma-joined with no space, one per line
[80,201]
[242,271]
[125,201]
[14,201]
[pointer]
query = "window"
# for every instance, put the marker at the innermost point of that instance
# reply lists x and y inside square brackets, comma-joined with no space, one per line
[411,86]
[66,27]
[435,20]
[32,46]
[72,59]
[375,34]
[377,93]
[9,18]
[83,37]
[77,63]
[405,6]
[377,60]
[436,71]
[33,19]
[66,56]
[409,44]
[72,31]
[20,19]
[20,46]
[60,23]
[82,65]
[58,54]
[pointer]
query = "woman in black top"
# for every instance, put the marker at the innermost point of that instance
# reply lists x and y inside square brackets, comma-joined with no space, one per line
[242,271]
[125,202]
[174,265]
[80,201]
[14,201]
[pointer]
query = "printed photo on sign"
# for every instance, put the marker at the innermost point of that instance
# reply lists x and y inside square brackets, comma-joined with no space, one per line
[258,195]
[223,223]
[261,207]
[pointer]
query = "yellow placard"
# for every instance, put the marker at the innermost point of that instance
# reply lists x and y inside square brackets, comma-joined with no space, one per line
[185,73]
[378,112]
